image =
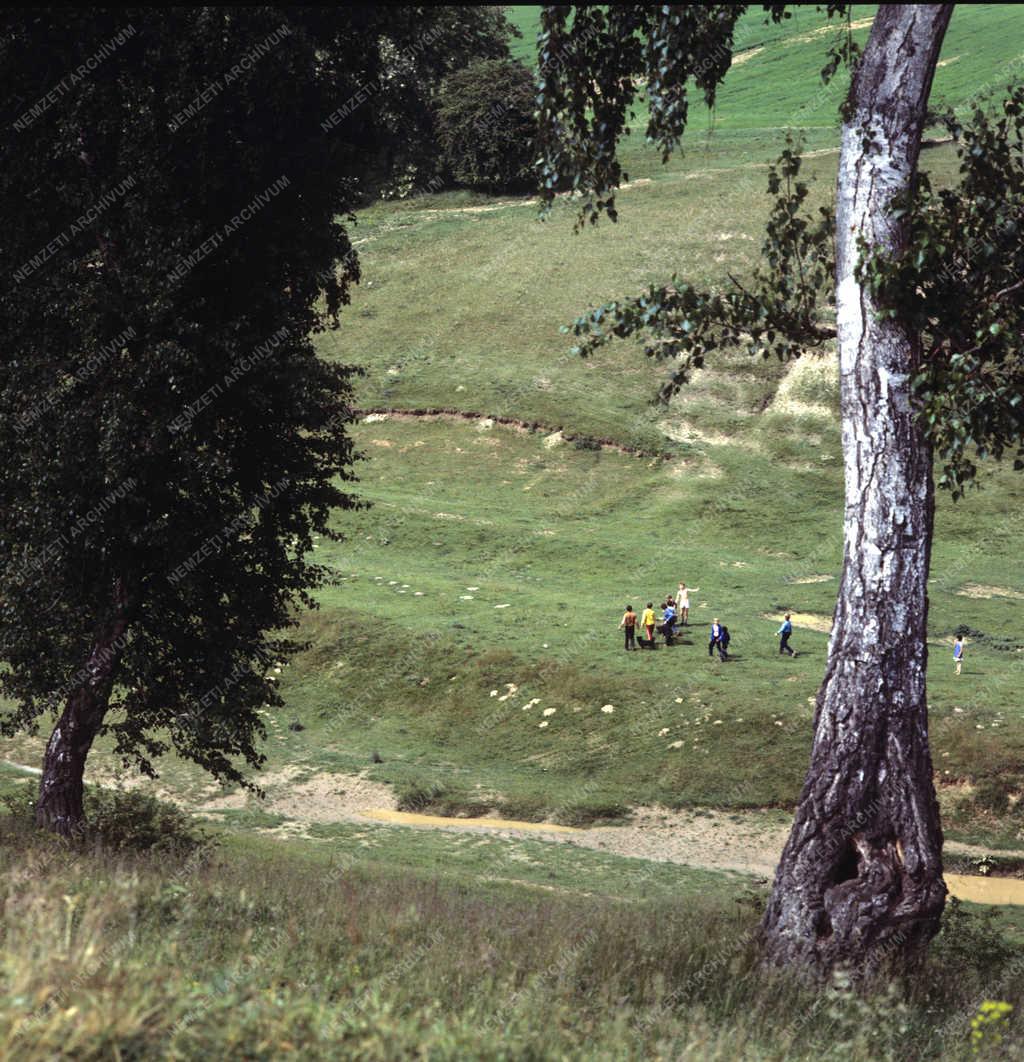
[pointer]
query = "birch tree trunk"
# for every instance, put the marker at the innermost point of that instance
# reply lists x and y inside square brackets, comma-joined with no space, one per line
[860,879]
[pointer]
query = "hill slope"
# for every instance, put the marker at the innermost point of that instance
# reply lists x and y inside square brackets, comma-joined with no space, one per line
[496,556]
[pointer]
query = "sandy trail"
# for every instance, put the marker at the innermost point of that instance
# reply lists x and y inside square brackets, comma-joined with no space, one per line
[745,842]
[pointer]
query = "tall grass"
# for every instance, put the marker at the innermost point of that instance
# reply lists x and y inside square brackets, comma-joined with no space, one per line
[265,950]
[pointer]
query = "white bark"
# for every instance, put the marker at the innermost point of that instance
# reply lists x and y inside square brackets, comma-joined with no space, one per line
[861,875]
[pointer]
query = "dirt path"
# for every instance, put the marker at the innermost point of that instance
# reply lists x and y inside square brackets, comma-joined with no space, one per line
[554,434]
[747,842]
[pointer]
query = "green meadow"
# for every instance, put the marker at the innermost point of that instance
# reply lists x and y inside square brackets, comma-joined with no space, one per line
[466,661]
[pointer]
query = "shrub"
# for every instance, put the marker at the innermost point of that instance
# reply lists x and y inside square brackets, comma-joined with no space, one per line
[141,823]
[971,941]
[485,126]
[992,796]
[117,820]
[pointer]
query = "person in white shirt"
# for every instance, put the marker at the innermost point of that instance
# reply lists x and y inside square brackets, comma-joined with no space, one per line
[683,604]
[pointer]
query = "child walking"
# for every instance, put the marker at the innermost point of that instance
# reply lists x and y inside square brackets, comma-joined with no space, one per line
[649,622]
[958,652]
[785,631]
[629,625]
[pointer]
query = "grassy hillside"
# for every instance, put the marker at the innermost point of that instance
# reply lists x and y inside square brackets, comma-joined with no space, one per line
[495,555]
[773,81]
[466,660]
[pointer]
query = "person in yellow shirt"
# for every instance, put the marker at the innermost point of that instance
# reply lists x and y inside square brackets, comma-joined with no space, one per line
[649,622]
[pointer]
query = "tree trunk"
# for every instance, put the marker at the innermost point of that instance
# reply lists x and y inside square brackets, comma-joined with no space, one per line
[59,807]
[860,879]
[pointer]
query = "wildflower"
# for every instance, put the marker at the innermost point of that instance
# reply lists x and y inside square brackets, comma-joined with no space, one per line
[543,724]
[494,693]
[607,708]
[989,1025]
[663,731]
[549,711]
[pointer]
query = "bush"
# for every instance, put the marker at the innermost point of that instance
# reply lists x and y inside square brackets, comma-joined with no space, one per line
[141,823]
[992,795]
[971,941]
[486,127]
[117,820]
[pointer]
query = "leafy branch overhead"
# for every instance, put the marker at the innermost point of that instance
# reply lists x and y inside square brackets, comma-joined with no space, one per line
[782,310]
[960,283]
[598,64]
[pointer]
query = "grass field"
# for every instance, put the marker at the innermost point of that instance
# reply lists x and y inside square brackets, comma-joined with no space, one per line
[467,658]
[495,555]
[378,948]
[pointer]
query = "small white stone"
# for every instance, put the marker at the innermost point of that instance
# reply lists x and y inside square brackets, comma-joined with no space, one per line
[542,725]
[607,708]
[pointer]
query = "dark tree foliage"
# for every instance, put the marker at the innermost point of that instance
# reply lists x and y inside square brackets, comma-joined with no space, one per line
[486,126]
[422,46]
[175,185]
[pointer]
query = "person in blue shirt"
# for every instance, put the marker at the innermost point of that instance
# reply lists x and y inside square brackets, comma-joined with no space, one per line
[715,638]
[958,652]
[785,631]
[668,620]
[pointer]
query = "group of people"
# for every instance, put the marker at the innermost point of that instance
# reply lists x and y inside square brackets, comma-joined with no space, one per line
[640,630]
[675,609]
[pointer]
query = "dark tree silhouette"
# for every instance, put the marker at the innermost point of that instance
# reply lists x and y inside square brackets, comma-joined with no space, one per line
[174,183]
